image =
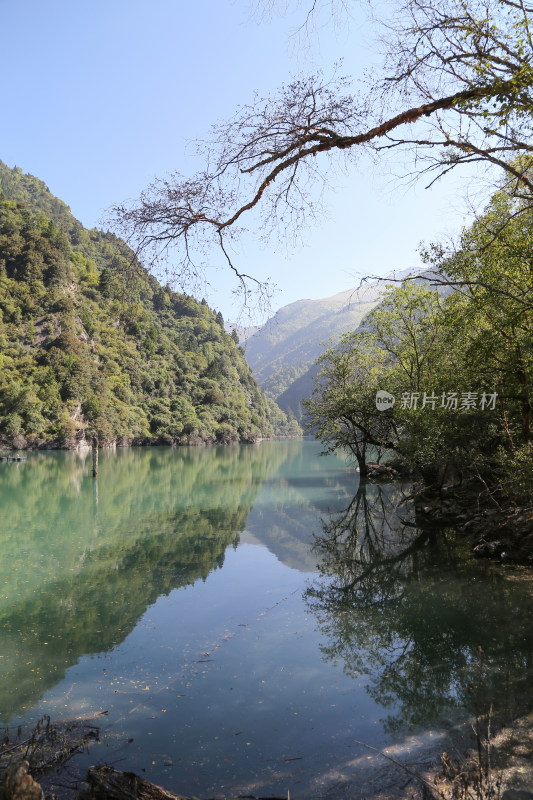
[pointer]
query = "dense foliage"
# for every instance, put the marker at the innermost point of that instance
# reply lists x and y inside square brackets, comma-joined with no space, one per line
[458,363]
[89,341]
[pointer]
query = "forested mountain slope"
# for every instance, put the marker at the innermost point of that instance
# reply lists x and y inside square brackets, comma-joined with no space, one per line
[290,342]
[282,354]
[90,341]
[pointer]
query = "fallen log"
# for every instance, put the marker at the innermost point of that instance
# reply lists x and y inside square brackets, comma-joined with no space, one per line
[106,783]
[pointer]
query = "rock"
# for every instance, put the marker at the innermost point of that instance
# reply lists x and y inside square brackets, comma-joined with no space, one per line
[485,548]
[380,472]
[517,794]
[17,783]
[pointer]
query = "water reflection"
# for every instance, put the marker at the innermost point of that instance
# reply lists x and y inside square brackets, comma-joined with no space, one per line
[81,560]
[433,630]
[173,599]
[77,574]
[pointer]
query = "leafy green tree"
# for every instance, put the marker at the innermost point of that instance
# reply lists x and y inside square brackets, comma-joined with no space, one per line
[106,282]
[12,424]
[415,346]
[30,331]
[342,410]
[408,325]
[491,270]
[491,316]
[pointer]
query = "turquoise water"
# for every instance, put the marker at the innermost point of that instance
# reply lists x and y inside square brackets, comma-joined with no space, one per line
[241,616]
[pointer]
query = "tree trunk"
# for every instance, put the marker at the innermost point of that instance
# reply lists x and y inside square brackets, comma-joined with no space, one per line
[526,410]
[95,455]
[524,401]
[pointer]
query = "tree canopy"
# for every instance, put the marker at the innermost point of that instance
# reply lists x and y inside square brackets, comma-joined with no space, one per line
[458,363]
[89,341]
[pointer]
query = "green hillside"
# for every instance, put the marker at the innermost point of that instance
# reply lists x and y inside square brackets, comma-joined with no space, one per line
[90,341]
[283,353]
[283,350]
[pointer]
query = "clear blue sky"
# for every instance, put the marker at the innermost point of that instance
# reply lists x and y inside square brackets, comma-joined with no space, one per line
[99,98]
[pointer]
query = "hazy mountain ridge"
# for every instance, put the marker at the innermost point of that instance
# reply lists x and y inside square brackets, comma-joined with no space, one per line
[283,353]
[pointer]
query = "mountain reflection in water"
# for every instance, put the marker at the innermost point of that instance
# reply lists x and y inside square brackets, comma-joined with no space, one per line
[241,615]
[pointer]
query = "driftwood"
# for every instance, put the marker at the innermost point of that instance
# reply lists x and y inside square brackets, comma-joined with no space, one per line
[47,744]
[106,783]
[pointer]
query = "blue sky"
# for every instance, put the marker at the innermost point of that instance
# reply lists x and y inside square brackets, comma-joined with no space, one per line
[99,98]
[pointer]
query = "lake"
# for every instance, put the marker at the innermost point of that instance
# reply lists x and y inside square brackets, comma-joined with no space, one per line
[243,614]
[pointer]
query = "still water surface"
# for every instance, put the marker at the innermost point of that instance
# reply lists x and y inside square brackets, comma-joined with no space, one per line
[241,615]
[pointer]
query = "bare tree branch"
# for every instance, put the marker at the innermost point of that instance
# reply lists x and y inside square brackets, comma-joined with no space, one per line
[460,77]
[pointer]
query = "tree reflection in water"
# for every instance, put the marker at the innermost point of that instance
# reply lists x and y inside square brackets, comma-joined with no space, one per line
[439,635]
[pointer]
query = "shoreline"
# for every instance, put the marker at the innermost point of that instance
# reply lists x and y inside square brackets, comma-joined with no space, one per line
[502,533]
[34,444]
[425,766]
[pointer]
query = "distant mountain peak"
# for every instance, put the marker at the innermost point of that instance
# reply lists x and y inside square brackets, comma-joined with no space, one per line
[283,352]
